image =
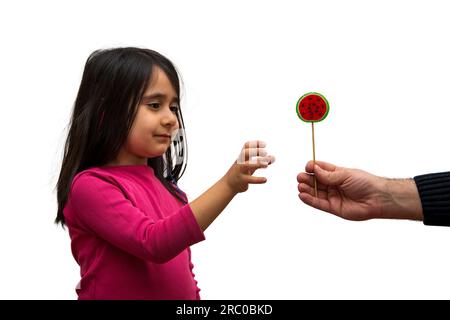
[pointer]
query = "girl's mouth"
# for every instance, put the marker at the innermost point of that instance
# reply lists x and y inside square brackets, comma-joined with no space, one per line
[163,136]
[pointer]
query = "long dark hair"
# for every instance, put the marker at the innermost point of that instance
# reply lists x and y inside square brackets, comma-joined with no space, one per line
[113,83]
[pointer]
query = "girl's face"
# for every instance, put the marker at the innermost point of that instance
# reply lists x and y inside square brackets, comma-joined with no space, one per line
[155,122]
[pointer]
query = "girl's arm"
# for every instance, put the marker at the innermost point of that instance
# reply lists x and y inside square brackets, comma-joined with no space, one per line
[99,206]
[211,203]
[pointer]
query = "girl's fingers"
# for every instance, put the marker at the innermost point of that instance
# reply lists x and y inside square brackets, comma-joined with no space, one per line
[254,180]
[264,160]
[260,163]
[254,144]
[254,150]
[249,153]
[253,156]
[270,159]
[253,166]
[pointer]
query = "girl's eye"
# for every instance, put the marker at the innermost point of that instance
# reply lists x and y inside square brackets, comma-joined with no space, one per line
[154,106]
[174,109]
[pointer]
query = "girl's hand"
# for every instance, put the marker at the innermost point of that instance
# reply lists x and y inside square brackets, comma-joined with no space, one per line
[252,157]
[211,203]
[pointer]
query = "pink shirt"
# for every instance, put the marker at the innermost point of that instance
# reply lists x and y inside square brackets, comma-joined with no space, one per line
[130,236]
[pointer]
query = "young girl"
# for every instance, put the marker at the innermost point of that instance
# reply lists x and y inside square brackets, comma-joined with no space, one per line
[130,225]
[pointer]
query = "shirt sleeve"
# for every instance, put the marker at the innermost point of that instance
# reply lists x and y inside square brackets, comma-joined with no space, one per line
[102,207]
[434,192]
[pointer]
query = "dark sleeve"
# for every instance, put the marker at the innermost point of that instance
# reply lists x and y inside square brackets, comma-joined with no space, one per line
[434,192]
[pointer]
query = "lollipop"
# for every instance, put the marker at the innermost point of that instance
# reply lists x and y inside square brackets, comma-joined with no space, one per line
[312,107]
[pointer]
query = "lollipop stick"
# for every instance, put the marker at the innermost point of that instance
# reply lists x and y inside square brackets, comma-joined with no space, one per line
[314,158]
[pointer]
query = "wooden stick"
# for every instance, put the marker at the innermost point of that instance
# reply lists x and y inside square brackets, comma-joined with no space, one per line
[314,158]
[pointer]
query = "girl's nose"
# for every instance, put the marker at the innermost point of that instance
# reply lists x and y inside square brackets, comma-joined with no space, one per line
[169,119]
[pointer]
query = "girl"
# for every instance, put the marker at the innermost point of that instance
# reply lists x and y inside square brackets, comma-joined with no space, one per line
[130,226]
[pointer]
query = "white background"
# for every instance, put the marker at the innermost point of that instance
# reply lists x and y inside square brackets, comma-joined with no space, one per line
[383,65]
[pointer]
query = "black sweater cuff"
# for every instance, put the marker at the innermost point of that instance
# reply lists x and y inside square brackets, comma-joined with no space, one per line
[434,192]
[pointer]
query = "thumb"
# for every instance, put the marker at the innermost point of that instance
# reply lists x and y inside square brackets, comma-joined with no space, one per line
[331,178]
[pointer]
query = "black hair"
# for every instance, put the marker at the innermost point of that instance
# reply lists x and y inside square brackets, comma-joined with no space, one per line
[113,83]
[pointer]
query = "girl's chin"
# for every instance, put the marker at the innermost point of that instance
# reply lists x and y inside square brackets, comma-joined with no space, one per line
[157,152]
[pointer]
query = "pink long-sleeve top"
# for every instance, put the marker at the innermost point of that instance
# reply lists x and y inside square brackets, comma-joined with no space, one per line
[130,236]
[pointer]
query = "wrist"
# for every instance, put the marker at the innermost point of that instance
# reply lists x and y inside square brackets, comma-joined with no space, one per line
[227,187]
[400,199]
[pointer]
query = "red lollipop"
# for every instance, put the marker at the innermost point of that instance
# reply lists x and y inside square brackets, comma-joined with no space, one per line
[312,107]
